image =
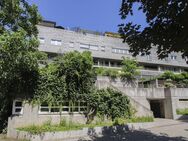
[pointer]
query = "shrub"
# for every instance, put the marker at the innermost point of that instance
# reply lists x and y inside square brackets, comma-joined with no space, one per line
[182,111]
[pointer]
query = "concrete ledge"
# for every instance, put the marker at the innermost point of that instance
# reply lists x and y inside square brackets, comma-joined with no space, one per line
[63,135]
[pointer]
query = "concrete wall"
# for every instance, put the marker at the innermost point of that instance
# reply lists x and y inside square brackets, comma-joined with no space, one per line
[140,97]
[67,36]
[31,116]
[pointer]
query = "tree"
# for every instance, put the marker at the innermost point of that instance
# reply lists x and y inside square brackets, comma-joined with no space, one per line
[78,71]
[18,53]
[130,70]
[167,28]
[18,14]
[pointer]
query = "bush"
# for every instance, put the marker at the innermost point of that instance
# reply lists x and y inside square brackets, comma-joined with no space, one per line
[113,104]
[182,111]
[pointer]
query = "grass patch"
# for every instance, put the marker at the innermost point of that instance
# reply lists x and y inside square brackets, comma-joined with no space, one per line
[121,121]
[67,126]
[182,111]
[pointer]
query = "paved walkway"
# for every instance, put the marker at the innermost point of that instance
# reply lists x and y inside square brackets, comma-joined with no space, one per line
[167,130]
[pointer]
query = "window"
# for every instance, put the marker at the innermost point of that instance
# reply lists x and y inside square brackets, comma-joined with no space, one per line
[173,57]
[71,44]
[148,57]
[17,107]
[64,107]
[84,46]
[56,42]
[103,48]
[94,47]
[41,40]
[120,51]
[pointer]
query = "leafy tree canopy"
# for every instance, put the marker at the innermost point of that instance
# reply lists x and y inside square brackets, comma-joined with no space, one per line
[78,71]
[130,70]
[18,14]
[167,26]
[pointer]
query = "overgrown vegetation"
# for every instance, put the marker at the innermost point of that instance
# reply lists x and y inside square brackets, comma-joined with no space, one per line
[18,53]
[182,111]
[127,72]
[69,125]
[171,79]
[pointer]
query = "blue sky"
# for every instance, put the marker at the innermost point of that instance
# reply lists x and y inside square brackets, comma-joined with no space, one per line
[97,15]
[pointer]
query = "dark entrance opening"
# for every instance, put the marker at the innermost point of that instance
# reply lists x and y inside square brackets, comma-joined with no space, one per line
[157,106]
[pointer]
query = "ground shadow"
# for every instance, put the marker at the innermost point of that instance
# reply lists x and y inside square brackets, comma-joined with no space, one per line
[120,133]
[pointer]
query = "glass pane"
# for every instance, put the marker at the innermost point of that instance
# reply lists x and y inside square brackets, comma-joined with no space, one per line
[18,104]
[65,109]
[74,109]
[44,109]
[54,110]
[83,109]
[18,110]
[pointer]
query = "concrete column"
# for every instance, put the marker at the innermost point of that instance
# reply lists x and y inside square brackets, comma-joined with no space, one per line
[156,83]
[159,68]
[109,64]
[98,62]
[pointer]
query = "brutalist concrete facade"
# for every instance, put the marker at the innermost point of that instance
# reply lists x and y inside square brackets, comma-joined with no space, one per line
[107,51]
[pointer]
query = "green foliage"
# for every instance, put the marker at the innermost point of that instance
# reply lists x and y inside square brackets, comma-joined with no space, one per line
[182,111]
[69,125]
[130,70]
[112,73]
[77,68]
[18,49]
[175,80]
[122,121]
[19,14]
[166,26]
[113,104]
[51,88]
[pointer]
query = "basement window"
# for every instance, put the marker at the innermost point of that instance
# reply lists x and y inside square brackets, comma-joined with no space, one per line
[17,107]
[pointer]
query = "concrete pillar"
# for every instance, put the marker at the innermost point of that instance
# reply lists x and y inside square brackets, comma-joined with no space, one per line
[109,63]
[159,68]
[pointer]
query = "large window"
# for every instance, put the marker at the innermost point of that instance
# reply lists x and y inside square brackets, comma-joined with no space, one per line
[56,42]
[94,47]
[88,46]
[17,107]
[84,46]
[64,107]
[120,51]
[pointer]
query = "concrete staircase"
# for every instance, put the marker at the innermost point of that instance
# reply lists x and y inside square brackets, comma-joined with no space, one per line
[141,110]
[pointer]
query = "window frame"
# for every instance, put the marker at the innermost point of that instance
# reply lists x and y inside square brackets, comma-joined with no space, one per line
[70,107]
[17,107]
[56,42]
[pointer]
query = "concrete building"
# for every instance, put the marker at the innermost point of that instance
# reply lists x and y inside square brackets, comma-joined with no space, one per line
[107,51]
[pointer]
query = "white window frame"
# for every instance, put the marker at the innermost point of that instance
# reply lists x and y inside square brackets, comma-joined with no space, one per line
[17,107]
[103,48]
[42,40]
[56,42]
[63,112]
[94,47]
[71,44]
[84,46]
